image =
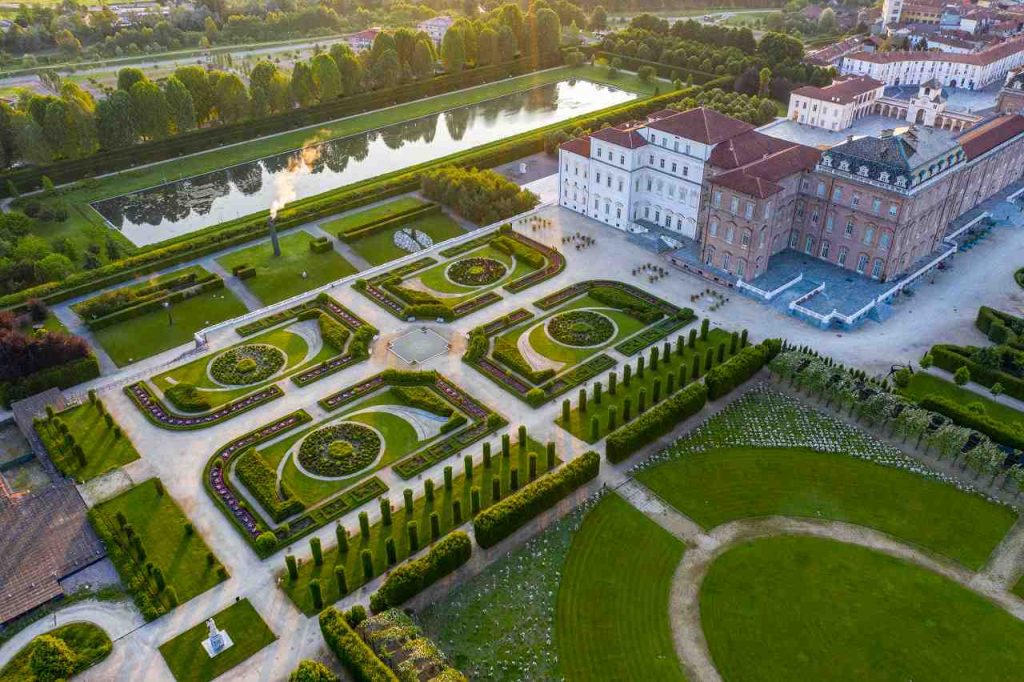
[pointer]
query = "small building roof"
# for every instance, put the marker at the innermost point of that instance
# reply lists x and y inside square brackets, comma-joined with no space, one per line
[990,135]
[841,91]
[701,124]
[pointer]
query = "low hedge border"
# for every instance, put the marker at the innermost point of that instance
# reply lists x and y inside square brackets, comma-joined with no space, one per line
[355,655]
[500,520]
[959,413]
[401,218]
[159,414]
[261,481]
[1000,327]
[249,228]
[412,577]
[657,332]
[135,580]
[951,358]
[723,378]
[201,286]
[655,422]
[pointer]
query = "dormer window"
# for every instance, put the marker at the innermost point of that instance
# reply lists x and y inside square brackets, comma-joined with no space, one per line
[883,176]
[826,161]
[863,170]
[844,165]
[901,181]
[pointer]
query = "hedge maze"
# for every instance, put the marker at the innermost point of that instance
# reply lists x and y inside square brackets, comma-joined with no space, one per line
[540,358]
[467,278]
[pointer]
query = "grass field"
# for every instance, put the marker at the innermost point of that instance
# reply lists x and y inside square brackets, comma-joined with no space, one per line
[154,332]
[188,661]
[923,385]
[365,218]
[160,524]
[798,608]
[278,278]
[87,641]
[613,620]
[380,247]
[298,590]
[722,485]
[103,449]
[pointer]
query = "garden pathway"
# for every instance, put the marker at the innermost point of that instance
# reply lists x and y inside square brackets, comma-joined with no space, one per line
[1006,564]
[977,388]
[233,284]
[76,326]
[116,618]
[342,248]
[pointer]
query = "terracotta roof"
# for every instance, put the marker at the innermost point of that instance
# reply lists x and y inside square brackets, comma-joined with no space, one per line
[761,178]
[703,125]
[579,145]
[745,148]
[841,91]
[989,135]
[621,136]
[987,56]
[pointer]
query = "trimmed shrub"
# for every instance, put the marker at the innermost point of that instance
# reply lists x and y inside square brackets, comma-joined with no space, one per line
[320,245]
[655,422]
[359,660]
[332,332]
[261,481]
[413,577]
[962,415]
[724,378]
[503,518]
[187,398]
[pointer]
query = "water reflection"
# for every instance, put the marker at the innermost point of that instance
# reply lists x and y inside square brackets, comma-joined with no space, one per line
[153,215]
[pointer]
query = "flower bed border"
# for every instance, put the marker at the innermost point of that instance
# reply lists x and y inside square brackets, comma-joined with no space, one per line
[161,415]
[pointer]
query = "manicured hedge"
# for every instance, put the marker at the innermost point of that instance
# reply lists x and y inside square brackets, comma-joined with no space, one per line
[721,380]
[1001,433]
[396,220]
[208,283]
[320,245]
[413,577]
[655,422]
[132,575]
[61,376]
[1000,327]
[261,481]
[358,658]
[502,519]
[951,358]
[662,69]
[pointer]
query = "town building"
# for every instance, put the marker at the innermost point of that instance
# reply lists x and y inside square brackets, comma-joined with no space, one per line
[835,106]
[1011,96]
[363,40]
[436,27]
[972,71]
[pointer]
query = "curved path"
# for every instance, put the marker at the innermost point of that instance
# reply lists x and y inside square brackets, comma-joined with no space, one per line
[116,618]
[684,600]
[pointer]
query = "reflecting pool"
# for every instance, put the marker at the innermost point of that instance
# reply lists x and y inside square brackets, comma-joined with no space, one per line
[176,208]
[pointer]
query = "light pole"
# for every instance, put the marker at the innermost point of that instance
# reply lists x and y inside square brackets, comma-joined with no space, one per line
[167,307]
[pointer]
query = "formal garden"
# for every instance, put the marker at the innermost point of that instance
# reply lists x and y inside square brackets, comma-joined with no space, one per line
[304,343]
[189,663]
[540,358]
[395,424]
[159,554]
[394,229]
[58,654]
[85,441]
[135,322]
[305,262]
[466,278]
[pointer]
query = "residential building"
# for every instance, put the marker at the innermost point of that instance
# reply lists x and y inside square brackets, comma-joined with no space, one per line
[972,71]
[362,40]
[835,106]
[436,27]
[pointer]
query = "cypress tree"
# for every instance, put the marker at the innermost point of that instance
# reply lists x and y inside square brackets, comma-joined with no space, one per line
[412,531]
[513,479]
[551,455]
[640,367]
[627,374]
[532,465]
[487,455]
[680,345]
[495,490]
[390,552]
[692,340]
[641,401]
[456,513]
[318,553]
[656,392]
[428,489]
[743,340]
[734,342]
[158,576]
[597,392]
[342,534]
[474,501]
[627,410]
[654,358]
[670,384]
[467,466]
[721,353]
[695,368]
[566,409]
[364,525]
[704,329]
[293,569]
[339,575]
[613,414]
[449,478]
[709,359]
[595,429]
[407,494]
[315,594]
[385,511]
[612,379]
[522,438]
[506,446]
[435,526]
[367,560]
[581,403]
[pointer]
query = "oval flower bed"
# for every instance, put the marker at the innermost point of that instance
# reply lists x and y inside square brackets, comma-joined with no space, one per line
[339,450]
[580,328]
[476,272]
[247,364]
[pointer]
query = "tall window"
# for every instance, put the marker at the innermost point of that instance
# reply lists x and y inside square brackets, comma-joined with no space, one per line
[748,210]
[883,241]
[745,238]
[855,201]
[876,268]
[830,220]
[716,198]
[713,227]
[842,256]
[862,262]
[734,205]
[821,189]
[726,261]
[794,238]
[837,194]
[876,205]
[824,250]
[808,244]
[849,227]
[893,210]
[869,234]
[730,233]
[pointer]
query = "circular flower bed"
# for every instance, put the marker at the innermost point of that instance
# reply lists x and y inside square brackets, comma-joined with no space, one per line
[476,272]
[339,450]
[580,328]
[247,364]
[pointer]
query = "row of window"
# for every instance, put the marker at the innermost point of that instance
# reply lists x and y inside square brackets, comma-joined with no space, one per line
[837,198]
[868,236]
[841,258]
[734,205]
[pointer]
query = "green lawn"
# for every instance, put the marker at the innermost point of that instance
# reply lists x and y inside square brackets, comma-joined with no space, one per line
[721,485]
[360,219]
[160,524]
[579,424]
[923,385]
[800,608]
[298,590]
[436,280]
[613,620]
[103,449]
[278,278]
[87,641]
[188,661]
[154,332]
[379,248]
[196,372]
